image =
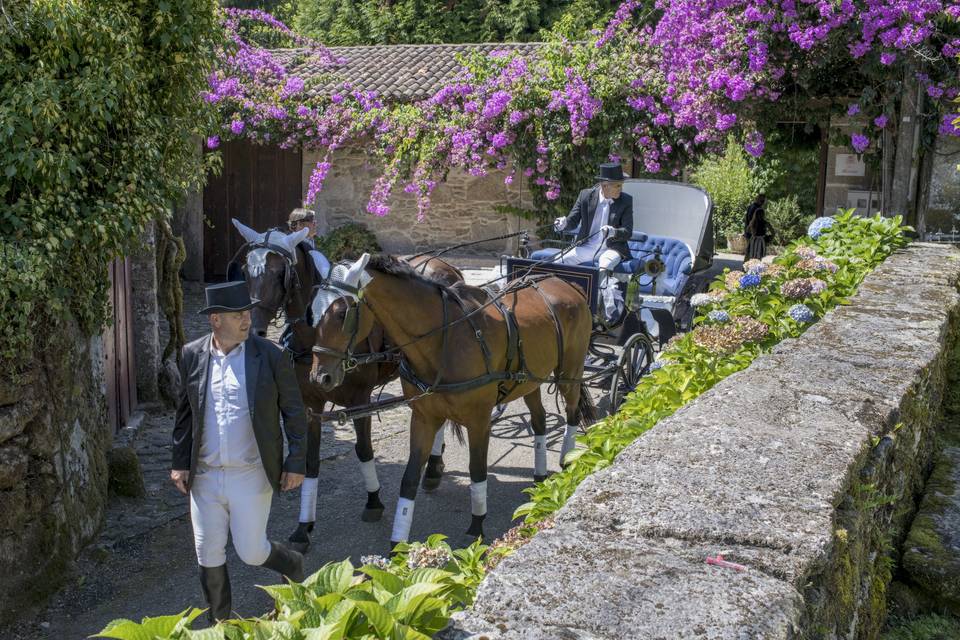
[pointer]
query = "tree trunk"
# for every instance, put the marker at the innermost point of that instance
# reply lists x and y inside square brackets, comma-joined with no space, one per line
[905,161]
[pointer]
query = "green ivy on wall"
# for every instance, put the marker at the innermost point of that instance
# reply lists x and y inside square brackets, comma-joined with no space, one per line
[99,117]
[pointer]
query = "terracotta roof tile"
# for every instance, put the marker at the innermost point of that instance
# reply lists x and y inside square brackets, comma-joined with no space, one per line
[396,72]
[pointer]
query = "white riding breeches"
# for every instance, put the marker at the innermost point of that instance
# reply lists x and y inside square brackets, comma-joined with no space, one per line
[235,500]
[606,260]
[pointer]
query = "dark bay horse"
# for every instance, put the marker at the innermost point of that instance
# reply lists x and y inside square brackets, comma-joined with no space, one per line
[281,275]
[451,344]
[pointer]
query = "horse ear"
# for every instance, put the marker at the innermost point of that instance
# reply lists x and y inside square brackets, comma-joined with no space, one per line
[248,234]
[355,271]
[296,238]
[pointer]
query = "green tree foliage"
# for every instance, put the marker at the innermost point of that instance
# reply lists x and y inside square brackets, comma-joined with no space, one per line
[99,114]
[730,181]
[357,22]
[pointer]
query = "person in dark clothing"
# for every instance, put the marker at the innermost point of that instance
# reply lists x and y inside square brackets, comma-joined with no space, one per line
[756,229]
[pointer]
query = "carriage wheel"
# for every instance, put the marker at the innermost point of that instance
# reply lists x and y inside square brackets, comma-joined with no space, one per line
[634,362]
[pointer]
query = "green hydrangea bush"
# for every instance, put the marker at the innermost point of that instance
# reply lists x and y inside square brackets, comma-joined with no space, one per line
[412,595]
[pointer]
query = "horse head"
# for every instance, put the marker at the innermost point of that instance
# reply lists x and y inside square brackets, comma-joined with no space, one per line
[340,322]
[270,271]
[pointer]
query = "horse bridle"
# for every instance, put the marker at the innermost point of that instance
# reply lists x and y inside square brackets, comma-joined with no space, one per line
[291,280]
[351,324]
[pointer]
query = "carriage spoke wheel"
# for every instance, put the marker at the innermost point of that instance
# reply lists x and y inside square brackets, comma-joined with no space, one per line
[634,362]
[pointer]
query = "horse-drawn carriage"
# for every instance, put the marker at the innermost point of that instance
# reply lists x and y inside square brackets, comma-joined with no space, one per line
[672,241]
[460,351]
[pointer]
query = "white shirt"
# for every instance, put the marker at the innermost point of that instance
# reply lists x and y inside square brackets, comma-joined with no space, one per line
[228,439]
[601,218]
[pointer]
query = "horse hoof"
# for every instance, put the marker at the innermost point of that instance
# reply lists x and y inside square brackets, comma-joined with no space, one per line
[537,478]
[300,539]
[431,484]
[476,527]
[372,514]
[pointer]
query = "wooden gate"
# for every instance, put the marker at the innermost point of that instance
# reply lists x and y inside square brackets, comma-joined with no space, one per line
[259,186]
[120,371]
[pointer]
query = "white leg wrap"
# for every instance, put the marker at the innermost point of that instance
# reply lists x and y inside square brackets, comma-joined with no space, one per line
[402,521]
[369,471]
[308,499]
[478,498]
[438,441]
[540,455]
[569,441]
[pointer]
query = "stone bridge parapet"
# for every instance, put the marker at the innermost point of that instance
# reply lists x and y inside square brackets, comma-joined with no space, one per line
[805,468]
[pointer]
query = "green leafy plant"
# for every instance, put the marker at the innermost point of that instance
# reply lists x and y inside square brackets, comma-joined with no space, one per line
[348,241]
[788,221]
[100,116]
[729,181]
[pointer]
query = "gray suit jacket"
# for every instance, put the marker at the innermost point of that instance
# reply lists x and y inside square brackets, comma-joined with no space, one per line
[621,218]
[272,391]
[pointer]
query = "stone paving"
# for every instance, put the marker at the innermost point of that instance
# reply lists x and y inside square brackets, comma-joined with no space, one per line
[143,563]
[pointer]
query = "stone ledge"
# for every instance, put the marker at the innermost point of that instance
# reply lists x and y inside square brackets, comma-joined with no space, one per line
[767,466]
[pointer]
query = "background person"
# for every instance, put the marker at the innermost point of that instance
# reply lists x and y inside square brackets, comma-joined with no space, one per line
[228,443]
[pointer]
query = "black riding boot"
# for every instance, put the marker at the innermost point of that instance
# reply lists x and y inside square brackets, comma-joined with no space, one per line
[216,589]
[286,562]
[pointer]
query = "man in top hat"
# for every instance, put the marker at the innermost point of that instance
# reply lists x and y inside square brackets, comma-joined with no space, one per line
[307,219]
[604,215]
[228,444]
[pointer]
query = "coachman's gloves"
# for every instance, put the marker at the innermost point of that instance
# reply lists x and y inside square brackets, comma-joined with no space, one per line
[560,223]
[607,230]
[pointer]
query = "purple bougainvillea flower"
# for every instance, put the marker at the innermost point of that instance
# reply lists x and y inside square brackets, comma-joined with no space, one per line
[213,142]
[859,142]
[881,121]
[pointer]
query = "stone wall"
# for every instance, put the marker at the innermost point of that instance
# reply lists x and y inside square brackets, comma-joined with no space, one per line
[805,468]
[146,316]
[53,467]
[462,207]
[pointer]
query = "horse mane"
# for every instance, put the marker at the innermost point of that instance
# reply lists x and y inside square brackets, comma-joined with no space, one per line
[390,265]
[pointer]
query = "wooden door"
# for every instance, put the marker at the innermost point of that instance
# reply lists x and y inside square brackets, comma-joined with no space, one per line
[120,367]
[259,186]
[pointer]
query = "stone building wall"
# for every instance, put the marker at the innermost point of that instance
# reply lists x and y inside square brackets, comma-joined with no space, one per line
[805,468]
[943,207]
[54,439]
[463,207]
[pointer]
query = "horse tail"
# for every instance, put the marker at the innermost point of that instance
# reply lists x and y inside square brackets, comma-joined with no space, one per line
[586,409]
[457,429]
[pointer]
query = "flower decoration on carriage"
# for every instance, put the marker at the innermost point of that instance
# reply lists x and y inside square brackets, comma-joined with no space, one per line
[800,288]
[732,279]
[818,226]
[801,313]
[806,253]
[754,266]
[749,281]
[718,316]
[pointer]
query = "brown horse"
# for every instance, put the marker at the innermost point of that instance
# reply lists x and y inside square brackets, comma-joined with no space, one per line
[281,274]
[462,354]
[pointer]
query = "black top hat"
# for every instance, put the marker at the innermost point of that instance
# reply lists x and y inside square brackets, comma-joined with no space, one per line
[228,296]
[611,172]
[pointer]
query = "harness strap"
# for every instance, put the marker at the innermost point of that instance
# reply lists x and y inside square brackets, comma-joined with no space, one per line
[559,331]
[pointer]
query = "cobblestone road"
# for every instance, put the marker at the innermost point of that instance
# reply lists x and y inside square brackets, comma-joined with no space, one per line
[143,563]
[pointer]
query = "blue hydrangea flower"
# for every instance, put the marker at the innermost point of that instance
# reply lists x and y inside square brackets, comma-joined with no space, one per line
[819,225]
[659,364]
[749,280]
[801,313]
[719,315]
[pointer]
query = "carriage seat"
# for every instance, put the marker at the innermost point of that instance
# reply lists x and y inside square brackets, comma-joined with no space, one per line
[676,255]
